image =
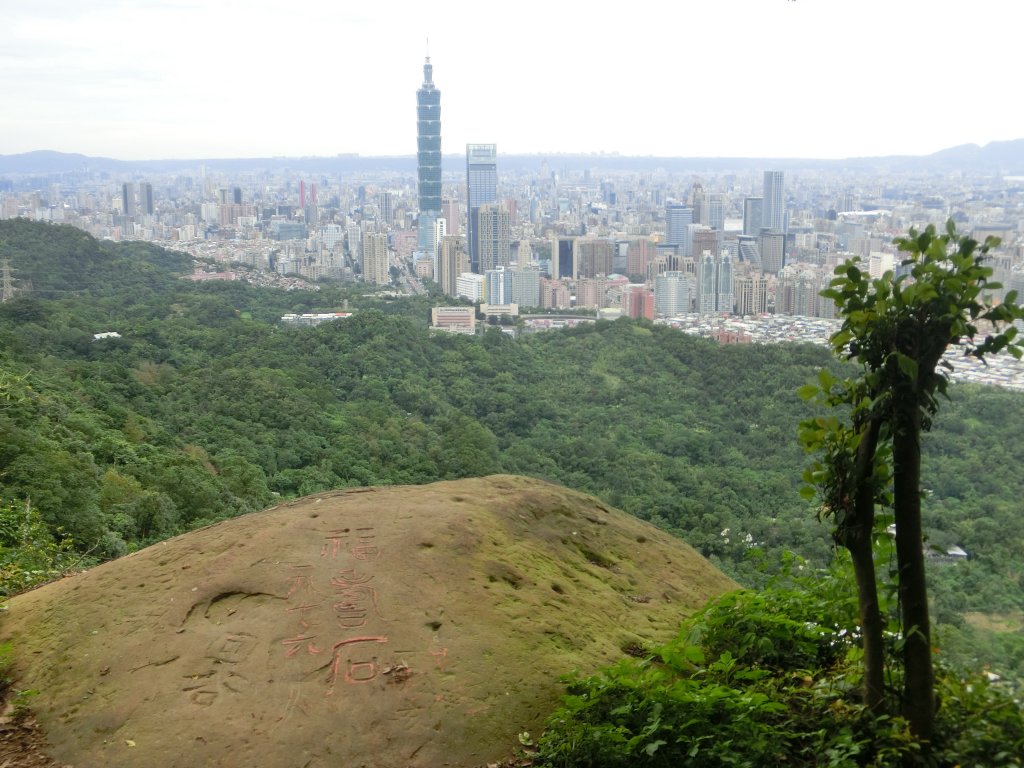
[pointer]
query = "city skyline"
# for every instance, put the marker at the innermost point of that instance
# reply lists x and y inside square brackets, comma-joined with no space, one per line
[187,79]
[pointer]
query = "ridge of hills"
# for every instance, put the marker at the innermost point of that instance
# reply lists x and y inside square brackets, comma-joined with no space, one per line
[401,626]
[999,156]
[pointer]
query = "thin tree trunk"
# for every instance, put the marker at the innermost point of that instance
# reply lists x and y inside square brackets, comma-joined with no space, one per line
[857,537]
[919,683]
[870,620]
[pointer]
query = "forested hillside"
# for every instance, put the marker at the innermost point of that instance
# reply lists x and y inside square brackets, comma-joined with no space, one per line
[207,406]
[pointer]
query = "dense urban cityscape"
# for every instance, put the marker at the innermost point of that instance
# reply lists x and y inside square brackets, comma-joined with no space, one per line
[740,255]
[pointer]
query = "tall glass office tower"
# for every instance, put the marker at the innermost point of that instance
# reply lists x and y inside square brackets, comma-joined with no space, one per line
[481,189]
[428,157]
[773,209]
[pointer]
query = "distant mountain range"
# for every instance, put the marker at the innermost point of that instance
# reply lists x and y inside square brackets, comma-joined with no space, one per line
[1002,157]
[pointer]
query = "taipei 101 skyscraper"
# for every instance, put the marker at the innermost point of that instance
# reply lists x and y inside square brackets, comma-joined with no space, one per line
[428,156]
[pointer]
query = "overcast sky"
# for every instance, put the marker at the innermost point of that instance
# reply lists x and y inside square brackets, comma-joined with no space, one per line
[149,79]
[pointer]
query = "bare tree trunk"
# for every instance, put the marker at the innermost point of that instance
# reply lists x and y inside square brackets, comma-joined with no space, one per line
[857,538]
[919,682]
[870,620]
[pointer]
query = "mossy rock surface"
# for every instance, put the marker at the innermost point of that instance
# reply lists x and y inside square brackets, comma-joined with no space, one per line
[400,626]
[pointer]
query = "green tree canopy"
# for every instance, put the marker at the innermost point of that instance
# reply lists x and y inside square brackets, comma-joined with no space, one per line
[897,329]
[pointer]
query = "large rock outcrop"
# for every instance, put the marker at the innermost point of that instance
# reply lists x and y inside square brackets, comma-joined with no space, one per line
[403,626]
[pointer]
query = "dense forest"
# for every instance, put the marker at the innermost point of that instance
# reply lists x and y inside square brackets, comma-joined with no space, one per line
[206,406]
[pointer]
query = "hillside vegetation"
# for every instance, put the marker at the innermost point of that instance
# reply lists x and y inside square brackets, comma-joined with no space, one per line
[207,407]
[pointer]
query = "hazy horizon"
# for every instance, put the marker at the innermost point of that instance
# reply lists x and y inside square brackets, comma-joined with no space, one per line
[455,154]
[795,79]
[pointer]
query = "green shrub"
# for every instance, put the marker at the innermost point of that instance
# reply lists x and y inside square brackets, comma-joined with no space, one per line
[768,678]
[29,556]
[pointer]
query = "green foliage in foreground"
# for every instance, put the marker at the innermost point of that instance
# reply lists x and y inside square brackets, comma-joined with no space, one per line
[29,554]
[768,678]
[897,330]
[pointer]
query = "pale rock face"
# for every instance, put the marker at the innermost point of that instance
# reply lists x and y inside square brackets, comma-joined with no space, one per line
[406,626]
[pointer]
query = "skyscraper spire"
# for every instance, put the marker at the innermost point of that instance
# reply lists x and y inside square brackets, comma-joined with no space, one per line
[428,155]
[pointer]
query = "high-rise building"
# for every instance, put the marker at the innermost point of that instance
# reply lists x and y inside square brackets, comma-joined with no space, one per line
[470,286]
[526,287]
[638,301]
[128,199]
[146,198]
[498,286]
[751,295]
[672,293]
[554,294]
[879,263]
[678,219]
[639,254]
[440,232]
[748,251]
[512,206]
[805,296]
[725,301]
[354,238]
[715,283]
[687,249]
[451,213]
[481,189]
[10,208]
[771,245]
[796,292]
[715,208]
[494,237]
[595,257]
[524,254]
[826,307]
[705,239]
[375,259]
[331,235]
[773,211]
[707,283]
[311,209]
[659,265]
[428,156]
[592,292]
[452,261]
[564,258]
[752,208]
[731,242]
[695,199]
[386,207]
